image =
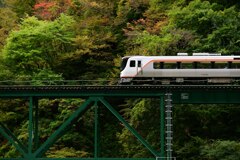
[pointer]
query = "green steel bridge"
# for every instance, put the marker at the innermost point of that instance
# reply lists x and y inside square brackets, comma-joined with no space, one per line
[99,94]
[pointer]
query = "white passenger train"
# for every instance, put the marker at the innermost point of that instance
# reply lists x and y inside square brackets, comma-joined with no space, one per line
[198,68]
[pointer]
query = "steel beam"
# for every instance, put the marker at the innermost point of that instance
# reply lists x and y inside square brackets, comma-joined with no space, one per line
[96,131]
[35,124]
[30,127]
[162,126]
[130,128]
[80,159]
[182,94]
[13,140]
[62,129]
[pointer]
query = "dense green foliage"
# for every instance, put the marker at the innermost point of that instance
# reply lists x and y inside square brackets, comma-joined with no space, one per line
[46,40]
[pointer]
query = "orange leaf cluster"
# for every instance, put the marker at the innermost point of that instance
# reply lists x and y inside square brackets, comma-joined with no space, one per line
[50,10]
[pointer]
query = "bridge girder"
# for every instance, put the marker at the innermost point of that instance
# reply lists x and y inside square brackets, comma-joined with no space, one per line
[98,94]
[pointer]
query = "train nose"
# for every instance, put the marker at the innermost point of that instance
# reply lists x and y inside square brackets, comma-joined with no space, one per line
[122,74]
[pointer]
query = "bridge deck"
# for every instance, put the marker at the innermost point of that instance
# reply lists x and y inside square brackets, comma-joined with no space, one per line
[181,93]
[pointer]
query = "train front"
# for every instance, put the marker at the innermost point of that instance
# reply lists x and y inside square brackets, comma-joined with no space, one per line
[125,75]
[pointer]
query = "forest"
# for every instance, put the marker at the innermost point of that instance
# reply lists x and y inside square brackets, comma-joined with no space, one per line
[54,40]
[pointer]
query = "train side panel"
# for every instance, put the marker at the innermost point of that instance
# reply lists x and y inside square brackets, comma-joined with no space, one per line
[144,68]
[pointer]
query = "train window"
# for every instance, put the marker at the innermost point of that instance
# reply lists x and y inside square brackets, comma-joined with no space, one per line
[195,65]
[229,64]
[161,65]
[178,65]
[158,65]
[212,64]
[139,64]
[132,63]
[124,63]
[203,65]
[221,65]
[187,65]
[235,65]
[170,65]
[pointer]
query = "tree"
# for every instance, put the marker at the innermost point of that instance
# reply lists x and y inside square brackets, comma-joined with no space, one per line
[95,43]
[8,21]
[144,116]
[215,30]
[226,3]
[22,7]
[38,44]
[50,10]
[221,150]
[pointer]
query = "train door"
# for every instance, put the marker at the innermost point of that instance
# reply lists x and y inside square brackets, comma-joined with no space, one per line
[139,67]
[133,68]
[136,67]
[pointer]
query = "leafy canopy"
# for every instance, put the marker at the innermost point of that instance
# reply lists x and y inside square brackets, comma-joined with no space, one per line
[217,30]
[37,44]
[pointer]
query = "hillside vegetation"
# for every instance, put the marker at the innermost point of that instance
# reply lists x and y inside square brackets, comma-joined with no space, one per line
[54,40]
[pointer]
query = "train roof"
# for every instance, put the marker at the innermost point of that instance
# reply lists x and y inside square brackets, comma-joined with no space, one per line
[231,57]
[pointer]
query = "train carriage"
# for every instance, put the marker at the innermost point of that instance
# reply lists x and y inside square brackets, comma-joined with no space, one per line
[198,68]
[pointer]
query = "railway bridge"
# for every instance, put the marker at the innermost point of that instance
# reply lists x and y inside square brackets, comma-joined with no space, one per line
[168,95]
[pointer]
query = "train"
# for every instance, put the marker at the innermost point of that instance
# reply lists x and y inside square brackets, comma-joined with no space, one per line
[198,68]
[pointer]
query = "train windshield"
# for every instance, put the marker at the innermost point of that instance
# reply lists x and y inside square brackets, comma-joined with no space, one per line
[124,62]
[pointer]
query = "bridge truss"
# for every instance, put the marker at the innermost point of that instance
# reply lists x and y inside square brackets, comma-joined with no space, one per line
[95,95]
